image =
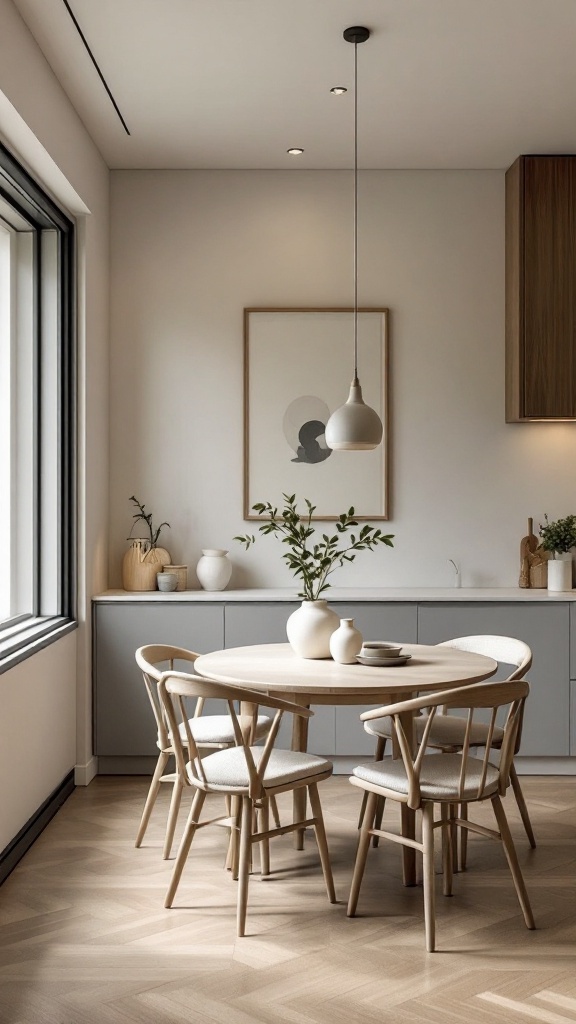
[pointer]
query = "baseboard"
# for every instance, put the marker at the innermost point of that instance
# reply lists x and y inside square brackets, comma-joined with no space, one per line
[84,773]
[127,765]
[545,765]
[34,826]
[344,765]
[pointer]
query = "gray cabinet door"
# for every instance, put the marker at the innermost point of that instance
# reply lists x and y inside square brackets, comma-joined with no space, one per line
[393,622]
[123,719]
[544,627]
[256,622]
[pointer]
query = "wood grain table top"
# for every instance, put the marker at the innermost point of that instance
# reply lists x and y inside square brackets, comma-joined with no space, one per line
[276,668]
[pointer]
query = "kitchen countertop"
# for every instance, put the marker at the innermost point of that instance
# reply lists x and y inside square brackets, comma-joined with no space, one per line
[349,594]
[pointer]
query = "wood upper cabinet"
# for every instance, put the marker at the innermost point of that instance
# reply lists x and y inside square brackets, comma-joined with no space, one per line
[541,288]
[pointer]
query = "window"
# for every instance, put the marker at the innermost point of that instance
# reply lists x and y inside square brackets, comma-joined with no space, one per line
[37,416]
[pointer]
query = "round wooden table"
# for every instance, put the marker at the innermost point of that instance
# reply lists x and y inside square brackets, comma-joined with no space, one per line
[275,668]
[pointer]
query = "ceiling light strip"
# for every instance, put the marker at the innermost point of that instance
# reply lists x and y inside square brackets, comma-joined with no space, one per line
[95,63]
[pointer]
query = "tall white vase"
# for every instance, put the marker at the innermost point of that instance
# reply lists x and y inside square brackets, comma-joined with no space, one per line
[214,569]
[560,572]
[310,627]
[346,642]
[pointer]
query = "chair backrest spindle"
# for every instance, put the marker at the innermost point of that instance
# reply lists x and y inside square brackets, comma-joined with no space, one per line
[176,687]
[491,696]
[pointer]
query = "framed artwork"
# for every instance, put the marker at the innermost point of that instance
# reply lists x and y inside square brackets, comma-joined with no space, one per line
[298,366]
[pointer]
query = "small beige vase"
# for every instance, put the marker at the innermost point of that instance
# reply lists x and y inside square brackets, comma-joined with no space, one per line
[345,643]
[141,563]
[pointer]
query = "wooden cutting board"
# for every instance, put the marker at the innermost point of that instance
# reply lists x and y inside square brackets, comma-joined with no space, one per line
[532,561]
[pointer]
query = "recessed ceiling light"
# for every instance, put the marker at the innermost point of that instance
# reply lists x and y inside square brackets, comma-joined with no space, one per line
[295,151]
[339,90]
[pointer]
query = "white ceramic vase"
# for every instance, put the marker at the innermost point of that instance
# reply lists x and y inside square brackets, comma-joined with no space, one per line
[346,642]
[214,569]
[560,571]
[310,627]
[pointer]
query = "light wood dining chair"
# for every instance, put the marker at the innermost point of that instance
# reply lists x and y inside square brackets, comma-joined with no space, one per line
[251,775]
[420,780]
[209,731]
[448,731]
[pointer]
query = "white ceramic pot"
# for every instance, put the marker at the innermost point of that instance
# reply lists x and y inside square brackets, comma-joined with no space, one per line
[214,569]
[310,627]
[167,581]
[346,642]
[560,571]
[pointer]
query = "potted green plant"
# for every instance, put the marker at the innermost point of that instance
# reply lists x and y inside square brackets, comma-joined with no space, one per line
[144,559]
[559,537]
[313,559]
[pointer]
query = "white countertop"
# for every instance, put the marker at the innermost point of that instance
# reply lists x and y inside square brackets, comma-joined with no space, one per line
[339,594]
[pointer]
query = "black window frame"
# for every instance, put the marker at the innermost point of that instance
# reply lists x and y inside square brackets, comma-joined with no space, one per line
[23,635]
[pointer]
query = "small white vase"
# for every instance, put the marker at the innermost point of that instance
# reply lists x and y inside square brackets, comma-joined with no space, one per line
[346,642]
[309,629]
[560,571]
[214,569]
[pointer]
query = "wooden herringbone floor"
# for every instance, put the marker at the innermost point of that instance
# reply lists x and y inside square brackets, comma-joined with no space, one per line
[85,939]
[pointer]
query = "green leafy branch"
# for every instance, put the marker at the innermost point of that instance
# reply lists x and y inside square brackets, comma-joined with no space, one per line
[559,535]
[313,561]
[146,517]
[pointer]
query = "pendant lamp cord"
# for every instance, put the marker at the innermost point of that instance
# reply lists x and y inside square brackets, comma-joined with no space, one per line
[355,381]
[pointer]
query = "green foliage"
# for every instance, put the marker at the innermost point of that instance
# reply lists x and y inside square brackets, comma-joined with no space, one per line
[559,535]
[146,517]
[312,560]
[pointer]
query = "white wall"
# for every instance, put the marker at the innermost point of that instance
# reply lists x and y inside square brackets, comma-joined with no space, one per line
[190,249]
[40,126]
[37,731]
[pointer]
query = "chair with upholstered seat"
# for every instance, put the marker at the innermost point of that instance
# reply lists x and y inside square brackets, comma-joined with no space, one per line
[209,731]
[419,780]
[252,775]
[448,731]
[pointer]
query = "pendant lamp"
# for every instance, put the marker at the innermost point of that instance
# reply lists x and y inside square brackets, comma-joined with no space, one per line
[355,426]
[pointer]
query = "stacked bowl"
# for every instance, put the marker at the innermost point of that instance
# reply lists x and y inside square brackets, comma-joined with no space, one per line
[382,653]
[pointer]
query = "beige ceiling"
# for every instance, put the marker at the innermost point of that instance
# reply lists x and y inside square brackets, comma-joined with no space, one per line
[234,83]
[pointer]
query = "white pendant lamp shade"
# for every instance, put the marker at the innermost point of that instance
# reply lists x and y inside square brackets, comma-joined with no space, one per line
[354,427]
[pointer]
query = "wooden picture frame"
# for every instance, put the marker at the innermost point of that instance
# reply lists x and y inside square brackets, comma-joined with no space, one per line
[298,365]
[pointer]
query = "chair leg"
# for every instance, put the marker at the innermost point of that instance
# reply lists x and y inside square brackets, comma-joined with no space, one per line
[236,837]
[446,813]
[517,789]
[428,872]
[321,840]
[244,871]
[361,853]
[513,861]
[463,857]
[381,802]
[265,844]
[275,812]
[152,794]
[378,755]
[454,838]
[185,844]
[172,817]
[229,812]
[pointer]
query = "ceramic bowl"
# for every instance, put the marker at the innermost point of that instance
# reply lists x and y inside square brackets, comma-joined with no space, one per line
[167,581]
[380,649]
